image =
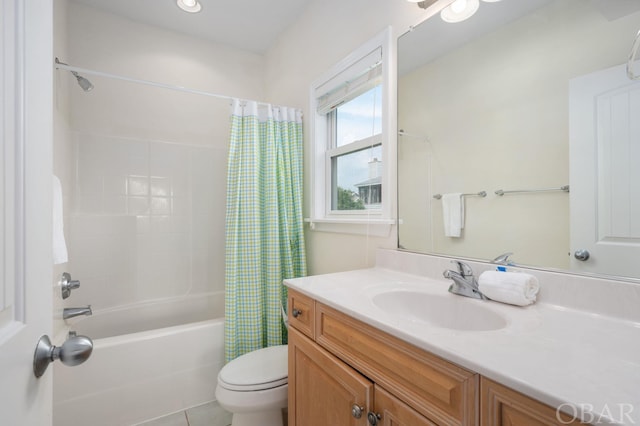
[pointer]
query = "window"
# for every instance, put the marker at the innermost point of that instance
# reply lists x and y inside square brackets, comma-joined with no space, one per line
[354,152]
[353,158]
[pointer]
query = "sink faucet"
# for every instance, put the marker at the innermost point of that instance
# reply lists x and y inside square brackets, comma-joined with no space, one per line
[503,259]
[464,283]
[74,312]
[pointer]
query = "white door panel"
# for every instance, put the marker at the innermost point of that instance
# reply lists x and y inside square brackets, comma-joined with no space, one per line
[605,172]
[25,192]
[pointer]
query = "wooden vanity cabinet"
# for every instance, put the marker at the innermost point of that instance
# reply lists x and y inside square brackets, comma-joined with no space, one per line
[348,365]
[338,364]
[502,406]
[323,390]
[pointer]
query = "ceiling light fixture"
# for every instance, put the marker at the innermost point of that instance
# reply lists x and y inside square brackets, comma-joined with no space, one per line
[459,10]
[191,6]
[423,4]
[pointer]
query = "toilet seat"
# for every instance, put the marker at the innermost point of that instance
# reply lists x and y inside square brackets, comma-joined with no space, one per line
[261,369]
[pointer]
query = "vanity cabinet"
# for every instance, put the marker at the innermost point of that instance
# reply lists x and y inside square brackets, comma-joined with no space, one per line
[345,370]
[342,371]
[502,406]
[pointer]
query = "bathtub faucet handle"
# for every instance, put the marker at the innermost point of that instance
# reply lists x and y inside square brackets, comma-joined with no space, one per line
[67,284]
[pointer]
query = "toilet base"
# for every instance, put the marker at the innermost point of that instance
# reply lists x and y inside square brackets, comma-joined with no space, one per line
[260,418]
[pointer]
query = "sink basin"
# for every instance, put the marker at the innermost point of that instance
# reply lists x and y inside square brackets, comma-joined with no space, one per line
[453,312]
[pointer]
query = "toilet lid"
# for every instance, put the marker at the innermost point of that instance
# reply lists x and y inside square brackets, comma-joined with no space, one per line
[262,369]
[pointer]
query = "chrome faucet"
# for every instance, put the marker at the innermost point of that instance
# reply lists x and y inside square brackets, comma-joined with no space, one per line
[503,259]
[464,282]
[75,312]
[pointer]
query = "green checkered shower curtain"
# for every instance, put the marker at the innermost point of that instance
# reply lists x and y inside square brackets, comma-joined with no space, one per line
[264,225]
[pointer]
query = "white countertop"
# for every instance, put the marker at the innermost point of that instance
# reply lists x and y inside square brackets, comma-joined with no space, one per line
[557,355]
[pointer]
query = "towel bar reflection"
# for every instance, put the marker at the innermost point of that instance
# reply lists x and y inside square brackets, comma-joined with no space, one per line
[564,188]
[477,194]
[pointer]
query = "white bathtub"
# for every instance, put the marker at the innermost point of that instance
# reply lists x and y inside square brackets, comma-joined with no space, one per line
[148,360]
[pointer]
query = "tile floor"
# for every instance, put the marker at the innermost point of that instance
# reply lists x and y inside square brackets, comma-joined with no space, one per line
[210,414]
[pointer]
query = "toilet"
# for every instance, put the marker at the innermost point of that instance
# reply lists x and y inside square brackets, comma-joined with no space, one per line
[253,387]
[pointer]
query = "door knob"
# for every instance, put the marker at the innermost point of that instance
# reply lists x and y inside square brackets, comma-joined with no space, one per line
[581,254]
[74,351]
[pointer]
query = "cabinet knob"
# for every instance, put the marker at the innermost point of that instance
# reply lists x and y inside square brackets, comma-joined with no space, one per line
[296,312]
[373,418]
[356,411]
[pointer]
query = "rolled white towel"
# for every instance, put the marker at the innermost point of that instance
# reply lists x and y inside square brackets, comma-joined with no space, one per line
[514,288]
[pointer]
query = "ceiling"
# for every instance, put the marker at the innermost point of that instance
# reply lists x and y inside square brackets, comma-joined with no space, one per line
[252,25]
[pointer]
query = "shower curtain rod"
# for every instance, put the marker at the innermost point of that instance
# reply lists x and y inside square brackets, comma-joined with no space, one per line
[62,66]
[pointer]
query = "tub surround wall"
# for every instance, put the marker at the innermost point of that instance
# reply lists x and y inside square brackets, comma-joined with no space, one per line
[148,165]
[148,221]
[63,154]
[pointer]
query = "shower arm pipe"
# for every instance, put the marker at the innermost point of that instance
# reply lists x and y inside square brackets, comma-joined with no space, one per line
[86,71]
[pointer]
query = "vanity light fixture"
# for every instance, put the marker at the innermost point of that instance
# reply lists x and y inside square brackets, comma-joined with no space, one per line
[191,6]
[459,10]
[423,4]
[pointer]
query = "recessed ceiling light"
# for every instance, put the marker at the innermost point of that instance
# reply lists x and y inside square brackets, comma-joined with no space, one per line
[191,6]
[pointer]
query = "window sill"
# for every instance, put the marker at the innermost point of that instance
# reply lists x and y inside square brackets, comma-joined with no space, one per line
[359,226]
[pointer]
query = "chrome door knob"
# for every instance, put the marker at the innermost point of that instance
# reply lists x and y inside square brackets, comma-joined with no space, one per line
[581,254]
[74,351]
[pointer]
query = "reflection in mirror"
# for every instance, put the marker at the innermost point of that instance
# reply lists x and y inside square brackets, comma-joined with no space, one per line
[509,100]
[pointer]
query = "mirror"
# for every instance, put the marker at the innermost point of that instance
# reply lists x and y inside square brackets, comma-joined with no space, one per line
[530,97]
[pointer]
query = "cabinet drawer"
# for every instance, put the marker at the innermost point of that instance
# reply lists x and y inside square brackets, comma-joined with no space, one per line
[301,313]
[502,406]
[443,392]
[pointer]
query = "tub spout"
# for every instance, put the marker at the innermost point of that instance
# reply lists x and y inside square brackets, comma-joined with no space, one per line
[74,312]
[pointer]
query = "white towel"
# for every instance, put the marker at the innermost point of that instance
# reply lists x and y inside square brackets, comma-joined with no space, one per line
[59,245]
[515,288]
[453,214]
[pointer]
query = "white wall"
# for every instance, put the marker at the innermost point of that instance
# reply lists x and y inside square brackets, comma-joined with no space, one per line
[149,169]
[328,31]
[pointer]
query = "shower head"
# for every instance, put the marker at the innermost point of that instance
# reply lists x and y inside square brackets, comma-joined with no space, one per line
[83,82]
[86,85]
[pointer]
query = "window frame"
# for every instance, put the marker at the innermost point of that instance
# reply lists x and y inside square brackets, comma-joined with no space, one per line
[375,221]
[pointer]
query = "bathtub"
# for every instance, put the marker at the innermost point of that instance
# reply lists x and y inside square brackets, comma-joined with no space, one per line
[148,360]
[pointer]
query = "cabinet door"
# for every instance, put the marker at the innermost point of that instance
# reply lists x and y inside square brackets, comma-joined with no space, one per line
[322,389]
[501,406]
[437,389]
[393,412]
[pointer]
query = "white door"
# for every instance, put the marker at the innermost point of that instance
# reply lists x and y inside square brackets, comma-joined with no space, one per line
[604,110]
[25,207]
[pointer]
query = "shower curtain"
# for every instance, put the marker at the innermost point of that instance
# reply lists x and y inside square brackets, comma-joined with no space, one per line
[264,225]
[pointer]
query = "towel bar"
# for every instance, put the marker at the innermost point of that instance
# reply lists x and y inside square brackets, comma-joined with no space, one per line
[500,192]
[477,194]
